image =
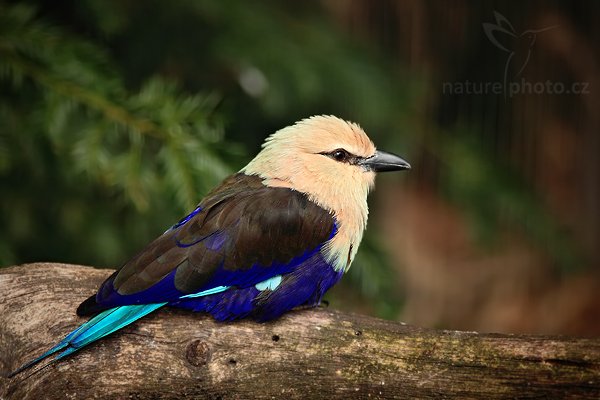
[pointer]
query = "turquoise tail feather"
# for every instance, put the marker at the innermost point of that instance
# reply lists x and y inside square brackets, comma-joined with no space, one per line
[96,328]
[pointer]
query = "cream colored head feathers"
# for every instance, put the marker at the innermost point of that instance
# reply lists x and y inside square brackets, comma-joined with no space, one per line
[301,157]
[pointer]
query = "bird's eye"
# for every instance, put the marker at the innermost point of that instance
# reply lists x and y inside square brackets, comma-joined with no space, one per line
[340,155]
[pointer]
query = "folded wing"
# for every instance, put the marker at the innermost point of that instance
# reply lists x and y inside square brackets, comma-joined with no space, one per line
[241,234]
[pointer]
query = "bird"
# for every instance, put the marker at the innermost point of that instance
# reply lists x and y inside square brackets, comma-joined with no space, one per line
[271,238]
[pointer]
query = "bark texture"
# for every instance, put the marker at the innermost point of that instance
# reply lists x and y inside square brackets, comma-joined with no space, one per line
[172,354]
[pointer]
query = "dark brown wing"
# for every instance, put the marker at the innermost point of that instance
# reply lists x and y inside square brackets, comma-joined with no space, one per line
[241,233]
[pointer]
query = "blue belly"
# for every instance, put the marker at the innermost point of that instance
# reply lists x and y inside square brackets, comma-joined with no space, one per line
[304,286]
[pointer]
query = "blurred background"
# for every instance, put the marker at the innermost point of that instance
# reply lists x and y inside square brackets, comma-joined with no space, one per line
[116,117]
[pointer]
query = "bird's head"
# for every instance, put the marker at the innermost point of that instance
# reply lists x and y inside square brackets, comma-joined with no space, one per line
[324,157]
[333,162]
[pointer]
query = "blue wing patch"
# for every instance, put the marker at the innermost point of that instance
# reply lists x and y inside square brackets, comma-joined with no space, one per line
[185,219]
[214,290]
[269,284]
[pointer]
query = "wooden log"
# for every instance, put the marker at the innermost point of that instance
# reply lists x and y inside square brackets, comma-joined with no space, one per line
[319,353]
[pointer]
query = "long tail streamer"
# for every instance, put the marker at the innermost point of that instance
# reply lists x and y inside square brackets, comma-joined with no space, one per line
[99,326]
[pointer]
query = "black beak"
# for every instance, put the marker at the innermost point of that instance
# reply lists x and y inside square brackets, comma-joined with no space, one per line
[383,162]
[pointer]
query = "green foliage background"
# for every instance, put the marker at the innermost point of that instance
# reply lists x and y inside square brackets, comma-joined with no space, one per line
[117,116]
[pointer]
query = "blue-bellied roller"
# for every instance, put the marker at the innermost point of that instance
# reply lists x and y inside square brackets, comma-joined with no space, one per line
[273,237]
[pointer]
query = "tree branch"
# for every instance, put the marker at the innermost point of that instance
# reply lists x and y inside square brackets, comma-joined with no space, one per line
[172,354]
